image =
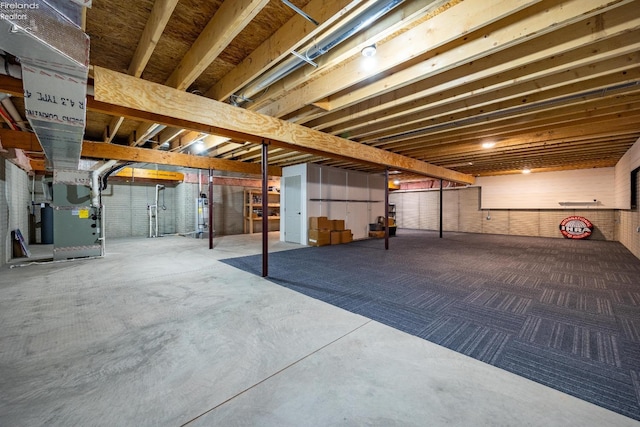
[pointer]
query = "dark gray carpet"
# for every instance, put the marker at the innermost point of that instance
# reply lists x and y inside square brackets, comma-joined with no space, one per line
[564,313]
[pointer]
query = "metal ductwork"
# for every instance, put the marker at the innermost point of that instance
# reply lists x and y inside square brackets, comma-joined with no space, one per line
[321,46]
[54,55]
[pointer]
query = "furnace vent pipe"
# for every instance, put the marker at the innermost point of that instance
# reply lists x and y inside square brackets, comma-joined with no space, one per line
[95,182]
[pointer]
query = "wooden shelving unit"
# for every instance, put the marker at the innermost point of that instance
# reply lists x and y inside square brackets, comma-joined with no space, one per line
[253,208]
[392,214]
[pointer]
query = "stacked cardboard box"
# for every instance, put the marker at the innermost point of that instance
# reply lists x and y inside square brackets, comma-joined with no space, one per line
[324,231]
[319,231]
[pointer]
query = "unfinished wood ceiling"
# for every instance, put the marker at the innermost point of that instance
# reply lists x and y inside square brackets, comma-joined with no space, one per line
[544,85]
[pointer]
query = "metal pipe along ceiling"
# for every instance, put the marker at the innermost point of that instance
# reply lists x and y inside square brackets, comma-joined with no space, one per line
[326,42]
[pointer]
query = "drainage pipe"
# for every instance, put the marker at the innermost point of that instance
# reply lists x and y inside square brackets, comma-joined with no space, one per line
[158,188]
[95,182]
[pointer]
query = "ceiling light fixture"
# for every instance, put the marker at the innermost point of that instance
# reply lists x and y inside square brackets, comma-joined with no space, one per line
[198,146]
[526,170]
[488,144]
[369,51]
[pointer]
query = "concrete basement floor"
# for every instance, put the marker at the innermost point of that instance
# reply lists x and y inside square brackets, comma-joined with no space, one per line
[160,333]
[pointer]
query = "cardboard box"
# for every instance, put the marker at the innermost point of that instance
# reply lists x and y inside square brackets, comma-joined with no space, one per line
[346,236]
[319,223]
[376,234]
[337,224]
[336,237]
[319,237]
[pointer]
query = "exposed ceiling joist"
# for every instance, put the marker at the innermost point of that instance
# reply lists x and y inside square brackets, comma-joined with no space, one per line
[428,36]
[287,38]
[100,150]
[553,83]
[437,32]
[230,19]
[160,14]
[478,68]
[397,20]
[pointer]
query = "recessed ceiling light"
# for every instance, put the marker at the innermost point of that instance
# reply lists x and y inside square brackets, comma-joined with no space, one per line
[396,181]
[488,144]
[526,170]
[369,51]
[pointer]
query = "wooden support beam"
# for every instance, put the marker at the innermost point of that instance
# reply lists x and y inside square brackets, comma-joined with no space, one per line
[147,97]
[496,103]
[100,150]
[450,25]
[466,136]
[212,141]
[394,22]
[221,151]
[169,134]
[143,155]
[291,36]
[231,18]
[561,46]
[112,129]
[447,26]
[186,139]
[11,86]
[141,135]
[133,138]
[25,141]
[160,14]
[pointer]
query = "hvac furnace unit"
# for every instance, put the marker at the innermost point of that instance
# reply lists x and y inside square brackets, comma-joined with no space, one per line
[76,224]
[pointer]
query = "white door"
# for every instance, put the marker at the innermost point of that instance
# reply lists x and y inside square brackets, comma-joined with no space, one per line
[293,209]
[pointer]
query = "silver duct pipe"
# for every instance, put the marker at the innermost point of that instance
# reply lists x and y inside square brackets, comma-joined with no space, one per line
[327,42]
[54,58]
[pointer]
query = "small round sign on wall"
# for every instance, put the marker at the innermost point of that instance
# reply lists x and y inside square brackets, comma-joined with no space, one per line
[576,227]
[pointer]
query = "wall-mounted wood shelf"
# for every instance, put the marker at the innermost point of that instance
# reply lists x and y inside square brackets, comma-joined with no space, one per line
[252,210]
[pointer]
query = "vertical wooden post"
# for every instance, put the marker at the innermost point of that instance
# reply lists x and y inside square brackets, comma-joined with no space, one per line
[386,209]
[441,208]
[265,210]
